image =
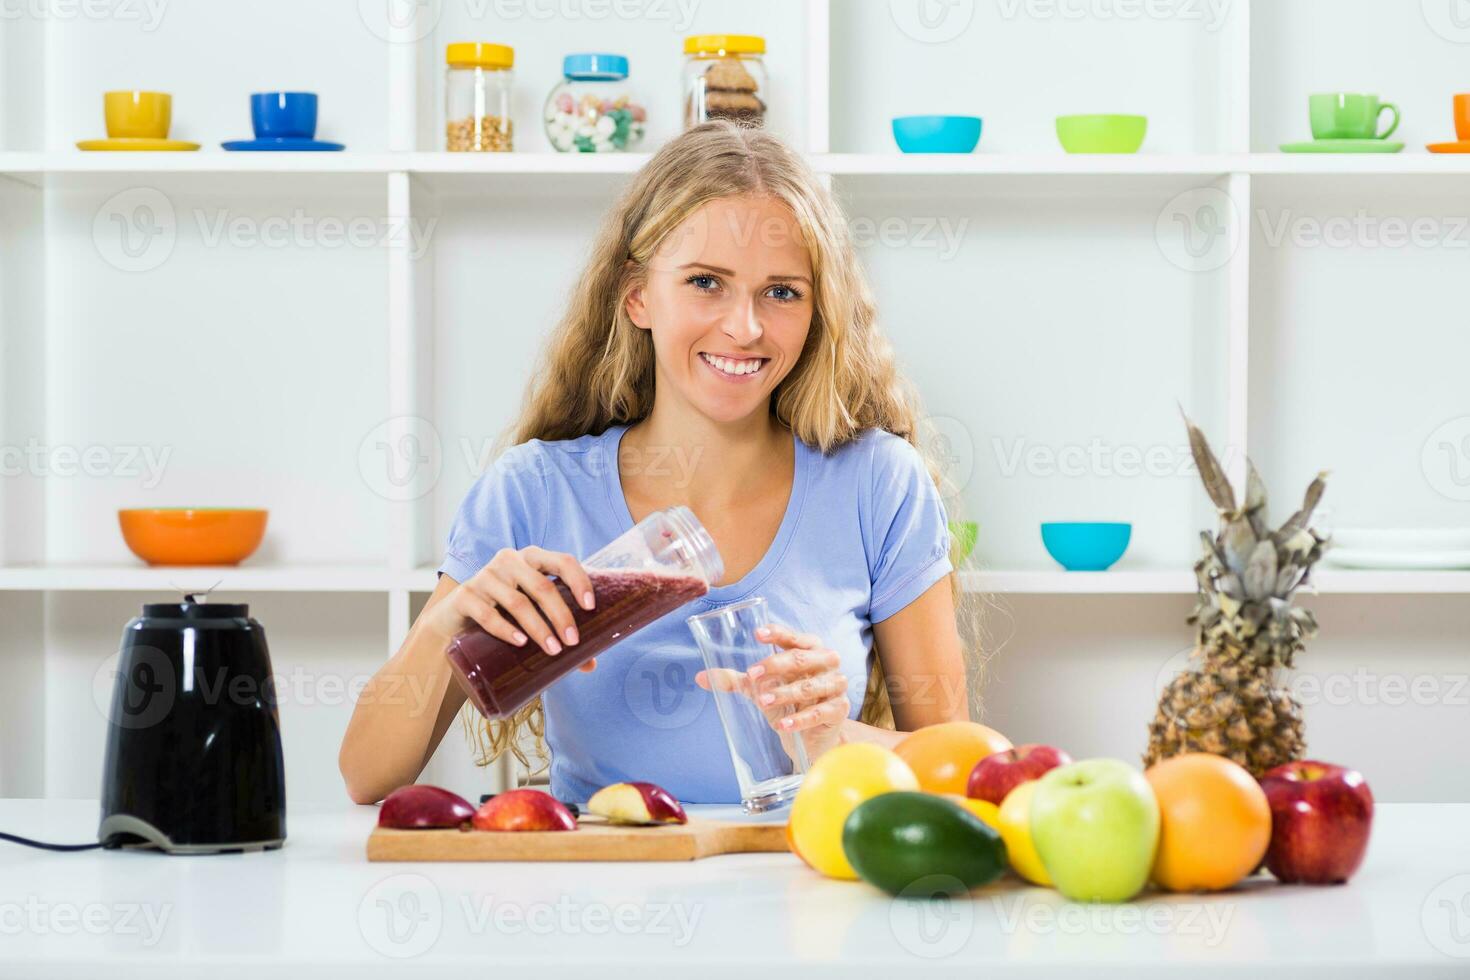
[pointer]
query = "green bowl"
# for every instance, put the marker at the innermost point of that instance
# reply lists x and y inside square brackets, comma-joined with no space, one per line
[1101,134]
[961,540]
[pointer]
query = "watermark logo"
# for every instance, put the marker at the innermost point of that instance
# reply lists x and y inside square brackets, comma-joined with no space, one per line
[1450,19]
[142,921]
[401,458]
[135,230]
[947,441]
[659,688]
[1199,230]
[148,14]
[128,461]
[400,21]
[679,14]
[1209,922]
[932,21]
[140,696]
[401,916]
[1211,14]
[1445,459]
[1445,917]
[937,233]
[933,917]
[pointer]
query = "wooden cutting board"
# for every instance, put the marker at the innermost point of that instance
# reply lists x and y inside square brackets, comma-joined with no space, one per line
[593,840]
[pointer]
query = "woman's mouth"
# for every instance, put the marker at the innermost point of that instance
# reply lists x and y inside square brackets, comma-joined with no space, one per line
[735,369]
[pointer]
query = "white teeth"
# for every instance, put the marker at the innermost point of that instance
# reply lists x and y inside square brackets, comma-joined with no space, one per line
[733,367]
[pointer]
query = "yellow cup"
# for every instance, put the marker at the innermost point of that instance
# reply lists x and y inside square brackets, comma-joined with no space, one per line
[138,115]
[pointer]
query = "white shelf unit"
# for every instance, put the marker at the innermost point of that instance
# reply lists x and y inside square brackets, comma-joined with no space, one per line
[1068,313]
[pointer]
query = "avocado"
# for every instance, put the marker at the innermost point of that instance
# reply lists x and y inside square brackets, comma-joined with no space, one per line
[920,845]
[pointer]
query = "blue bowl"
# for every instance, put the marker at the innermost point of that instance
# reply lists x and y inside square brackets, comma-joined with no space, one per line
[1081,546]
[936,134]
[289,115]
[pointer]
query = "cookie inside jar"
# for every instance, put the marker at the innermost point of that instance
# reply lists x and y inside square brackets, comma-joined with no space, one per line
[725,78]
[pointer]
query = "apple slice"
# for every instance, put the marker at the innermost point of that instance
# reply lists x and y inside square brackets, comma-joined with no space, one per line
[524,809]
[422,807]
[639,803]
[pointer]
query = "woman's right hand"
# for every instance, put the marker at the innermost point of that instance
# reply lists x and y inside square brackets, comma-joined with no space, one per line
[512,598]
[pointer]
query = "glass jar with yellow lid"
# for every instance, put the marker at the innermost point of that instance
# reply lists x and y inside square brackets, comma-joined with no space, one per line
[477,87]
[725,78]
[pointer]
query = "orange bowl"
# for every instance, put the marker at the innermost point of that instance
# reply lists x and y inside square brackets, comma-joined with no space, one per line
[192,535]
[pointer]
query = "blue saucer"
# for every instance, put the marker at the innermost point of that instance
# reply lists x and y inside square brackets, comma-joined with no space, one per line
[282,143]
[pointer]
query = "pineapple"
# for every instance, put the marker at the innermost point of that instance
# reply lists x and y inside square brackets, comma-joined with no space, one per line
[1246,630]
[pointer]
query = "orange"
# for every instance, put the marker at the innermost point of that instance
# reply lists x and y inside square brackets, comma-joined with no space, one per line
[943,755]
[1216,823]
[988,812]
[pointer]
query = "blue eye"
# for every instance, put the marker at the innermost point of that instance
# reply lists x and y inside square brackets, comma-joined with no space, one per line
[785,293]
[702,281]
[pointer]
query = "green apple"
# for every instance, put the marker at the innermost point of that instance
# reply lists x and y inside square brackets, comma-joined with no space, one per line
[1095,824]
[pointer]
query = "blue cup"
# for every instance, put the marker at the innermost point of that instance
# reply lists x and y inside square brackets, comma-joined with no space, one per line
[283,115]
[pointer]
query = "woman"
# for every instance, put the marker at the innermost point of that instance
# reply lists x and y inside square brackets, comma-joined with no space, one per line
[719,352]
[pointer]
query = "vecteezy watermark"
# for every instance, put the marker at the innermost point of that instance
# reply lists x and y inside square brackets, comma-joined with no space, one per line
[147,14]
[1211,14]
[1450,19]
[1207,921]
[33,916]
[404,915]
[932,21]
[400,458]
[941,234]
[135,230]
[947,441]
[1098,458]
[678,14]
[660,690]
[1359,686]
[932,917]
[1445,916]
[401,916]
[1363,229]
[147,693]
[676,921]
[1445,459]
[1199,230]
[400,21]
[35,458]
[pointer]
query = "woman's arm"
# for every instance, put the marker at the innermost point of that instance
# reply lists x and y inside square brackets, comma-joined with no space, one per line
[923,665]
[403,712]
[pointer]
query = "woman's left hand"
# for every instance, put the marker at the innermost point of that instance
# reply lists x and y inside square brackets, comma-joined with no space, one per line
[800,688]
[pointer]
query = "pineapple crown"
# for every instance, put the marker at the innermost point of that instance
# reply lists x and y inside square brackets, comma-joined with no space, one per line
[1249,573]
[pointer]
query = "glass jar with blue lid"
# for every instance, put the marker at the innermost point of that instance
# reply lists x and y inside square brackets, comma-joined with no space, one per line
[593,109]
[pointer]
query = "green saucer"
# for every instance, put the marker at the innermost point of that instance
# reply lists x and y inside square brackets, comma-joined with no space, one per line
[1342,146]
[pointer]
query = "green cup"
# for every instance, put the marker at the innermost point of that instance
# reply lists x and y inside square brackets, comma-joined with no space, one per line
[1344,116]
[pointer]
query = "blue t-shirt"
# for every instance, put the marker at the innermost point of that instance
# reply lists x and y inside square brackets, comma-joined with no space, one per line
[864,534]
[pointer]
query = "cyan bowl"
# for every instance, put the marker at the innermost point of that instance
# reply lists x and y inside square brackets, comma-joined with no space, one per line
[936,134]
[1086,546]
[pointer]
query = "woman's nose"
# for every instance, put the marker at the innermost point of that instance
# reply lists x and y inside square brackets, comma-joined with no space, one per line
[742,325]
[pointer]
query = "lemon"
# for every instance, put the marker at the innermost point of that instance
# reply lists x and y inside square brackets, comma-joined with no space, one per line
[834,786]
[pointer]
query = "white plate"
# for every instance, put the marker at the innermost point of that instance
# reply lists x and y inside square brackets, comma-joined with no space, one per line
[1402,539]
[1366,558]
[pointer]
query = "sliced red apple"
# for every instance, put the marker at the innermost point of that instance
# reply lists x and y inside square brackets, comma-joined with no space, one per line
[636,803]
[524,809]
[422,807]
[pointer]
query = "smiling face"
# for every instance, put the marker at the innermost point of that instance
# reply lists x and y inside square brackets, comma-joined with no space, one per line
[728,298]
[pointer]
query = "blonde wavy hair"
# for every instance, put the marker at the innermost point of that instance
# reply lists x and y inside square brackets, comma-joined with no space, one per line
[845,380]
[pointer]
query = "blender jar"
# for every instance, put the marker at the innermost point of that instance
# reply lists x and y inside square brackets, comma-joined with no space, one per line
[663,562]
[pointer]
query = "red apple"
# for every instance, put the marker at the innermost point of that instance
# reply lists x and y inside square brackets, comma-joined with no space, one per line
[996,775]
[636,803]
[421,807]
[524,809]
[1321,815]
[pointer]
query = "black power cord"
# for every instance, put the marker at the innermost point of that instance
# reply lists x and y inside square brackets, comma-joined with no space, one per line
[43,845]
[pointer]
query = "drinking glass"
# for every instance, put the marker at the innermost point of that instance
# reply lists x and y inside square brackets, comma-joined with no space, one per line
[769,767]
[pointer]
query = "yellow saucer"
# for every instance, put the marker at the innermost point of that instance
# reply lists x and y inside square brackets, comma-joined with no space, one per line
[136,143]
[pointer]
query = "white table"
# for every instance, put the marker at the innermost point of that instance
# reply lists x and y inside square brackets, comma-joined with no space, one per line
[317,908]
